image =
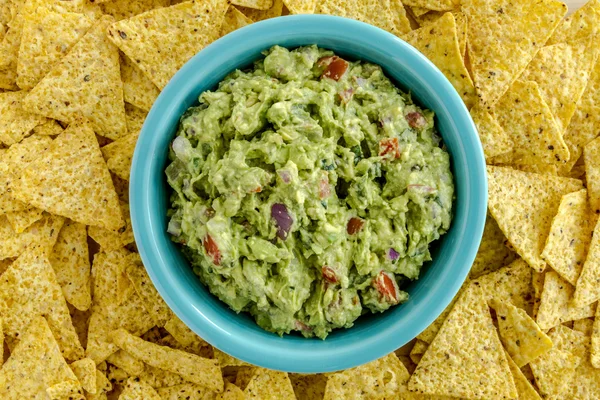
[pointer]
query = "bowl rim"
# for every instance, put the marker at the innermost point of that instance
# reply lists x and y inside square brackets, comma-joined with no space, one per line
[276,353]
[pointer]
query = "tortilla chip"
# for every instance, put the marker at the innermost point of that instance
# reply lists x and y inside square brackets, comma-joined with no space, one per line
[231,392]
[521,336]
[184,391]
[504,36]
[123,9]
[585,326]
[136,389]
[591,154]
[113,240]
[225,360]
[556,306]
[554,370]
[437,5]
[50,128]
[126,362]
[43,233]
[10,204]
[524,204]
[270,385]
[445,371]
[529,122]
[85,371]
[116,375]
[544,169]
[15,122]
[562,72]
[595,357]
[35,364]
[373,12]
[569,237]
[70,260]
[494,139]
[195,369]
[21,220]
[258,15]
[162,40]
[301,6]
[582,24]
[47,38]
[421,14]
[492,253]
[255,4]
[110,282]
[439,43]
[587,289]
[418,350]
[144,287]
[158,378]
[119,155]
[103,386]
[309,387]
[525,389]
[17,157]
[71,179]
[235,19]
[137,88]
[183,334]
[87,81]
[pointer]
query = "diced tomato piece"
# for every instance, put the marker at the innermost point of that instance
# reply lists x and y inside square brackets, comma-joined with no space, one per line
[387,286]
[335,67]
[354,225]
[415,119]
[389,146]
[211,248]
[329,274]
[324,189]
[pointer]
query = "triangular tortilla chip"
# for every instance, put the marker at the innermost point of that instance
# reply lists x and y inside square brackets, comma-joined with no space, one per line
[428,17]
[465,351]
[271,385]
[136,389]
[521,336]
[556,305]
[71,179]
[225,360]
[374,12]
[47,37]
[126,362]
[569,236]
[18,156]
[158,378]
[70,389]
[137,88]
[587,289]
[50,128]
[494,139]
[15,122]
[591,156]
[123,9]
[562,72]
[119,154]
[70,260]
[503,37]
[35,364]
[113,240]
[439,43]
[87,81]
[582,24]
[525,389]
[162,40]
[524,204]
[554,370]
[492,253]
[42,233]
[528,121]
[260,15]
[85,371]
[234,19]
[144,287]
[255,4]
[201,371]
[110,282]
[21,220]
[29,288]
[301,6]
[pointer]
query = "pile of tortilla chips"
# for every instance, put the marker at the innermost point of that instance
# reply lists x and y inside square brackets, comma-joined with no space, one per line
[79,316]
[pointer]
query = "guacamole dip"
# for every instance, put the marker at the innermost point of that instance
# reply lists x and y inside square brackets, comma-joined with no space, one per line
[307,190]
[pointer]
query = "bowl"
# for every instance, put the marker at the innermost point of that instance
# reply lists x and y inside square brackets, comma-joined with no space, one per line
[372,336]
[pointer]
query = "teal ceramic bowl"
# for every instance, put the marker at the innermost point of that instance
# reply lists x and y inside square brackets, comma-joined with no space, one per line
[372,336]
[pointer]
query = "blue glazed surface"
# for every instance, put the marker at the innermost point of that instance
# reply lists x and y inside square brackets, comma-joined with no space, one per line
[372,336]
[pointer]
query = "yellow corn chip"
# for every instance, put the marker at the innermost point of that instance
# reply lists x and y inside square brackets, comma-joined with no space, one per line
[42,233]
[527,119]
[35,364]
[493,138]
[50,128]
[503,37]
[399,18]
[309,387]
[144,287]
[126,362]
[15,122]
[569,237]
[116,375]
[21,220]
[270,385]
[85,371]
[420,14]
[9,49]
[113,240]
[184,391]
[591,154]
[184,335]
[445,370]
[47,37]
[137,88]
[537,281]
[162,40]
[301,6]
[231,392]
[260,15]
[595,358]
[556,306]
[198,370]
[492,253]
[87,81]
[234,19]
[582,24]
[521,336]
[524,204]
[437,5]
[439,43]
[137,389]
[553,371]
[66,390]
[10,204]
[29,288]
[376,13]
[524,388]
[111,285]
[225,360]
[70,260]
[255,4]
[562,72]
[103,386]
[585,326]
[587,289]
[418,350]
[544,169]
[72,179]
[158,378]
[119,154]
[123,9]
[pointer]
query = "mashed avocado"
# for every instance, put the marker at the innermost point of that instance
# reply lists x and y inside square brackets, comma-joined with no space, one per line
[307,190]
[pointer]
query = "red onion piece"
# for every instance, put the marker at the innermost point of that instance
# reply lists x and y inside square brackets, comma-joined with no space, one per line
[283,220]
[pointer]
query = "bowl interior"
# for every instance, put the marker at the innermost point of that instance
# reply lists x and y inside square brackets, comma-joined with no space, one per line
[374,335]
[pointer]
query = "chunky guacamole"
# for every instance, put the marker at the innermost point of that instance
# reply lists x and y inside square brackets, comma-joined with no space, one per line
[307,190]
